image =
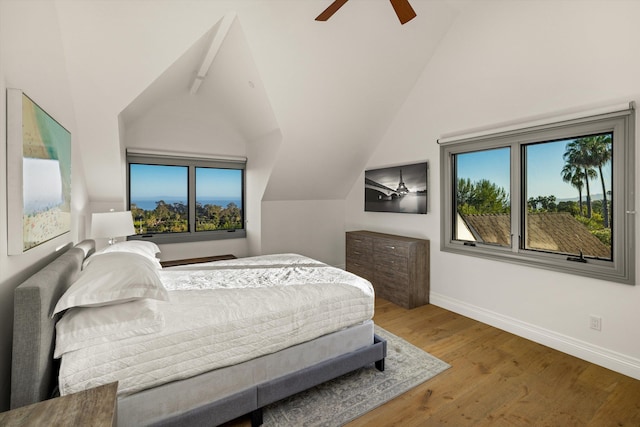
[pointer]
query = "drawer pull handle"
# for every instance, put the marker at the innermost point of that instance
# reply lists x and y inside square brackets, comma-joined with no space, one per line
[391,247]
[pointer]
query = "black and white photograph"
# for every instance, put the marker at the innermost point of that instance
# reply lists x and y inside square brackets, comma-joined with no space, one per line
[401,189]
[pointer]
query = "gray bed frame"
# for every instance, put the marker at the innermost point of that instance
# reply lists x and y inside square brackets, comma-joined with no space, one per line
[34,371]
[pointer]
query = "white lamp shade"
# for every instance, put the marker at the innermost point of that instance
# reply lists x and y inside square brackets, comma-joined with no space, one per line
[112,224]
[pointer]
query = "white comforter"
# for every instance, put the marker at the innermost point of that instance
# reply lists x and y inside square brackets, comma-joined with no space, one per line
[225,313]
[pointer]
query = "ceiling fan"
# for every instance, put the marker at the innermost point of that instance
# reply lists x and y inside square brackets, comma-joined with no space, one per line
[402,7]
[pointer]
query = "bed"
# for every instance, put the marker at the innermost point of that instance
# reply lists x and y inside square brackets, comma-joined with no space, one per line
[220,368]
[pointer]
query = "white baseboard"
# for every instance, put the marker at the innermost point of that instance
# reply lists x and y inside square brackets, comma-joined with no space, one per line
[601,356]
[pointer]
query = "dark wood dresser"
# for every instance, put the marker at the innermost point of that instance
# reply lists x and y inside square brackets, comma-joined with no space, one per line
[397,266]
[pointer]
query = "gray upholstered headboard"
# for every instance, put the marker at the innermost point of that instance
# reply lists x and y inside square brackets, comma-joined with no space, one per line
[33,372]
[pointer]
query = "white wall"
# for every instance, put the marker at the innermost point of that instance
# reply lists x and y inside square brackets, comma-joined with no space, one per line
[309,227]
[261,154]
[508,61]
[32,59]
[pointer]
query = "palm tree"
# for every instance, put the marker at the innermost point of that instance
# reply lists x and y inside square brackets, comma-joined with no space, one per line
[600,149]
[577,154]
[574,176]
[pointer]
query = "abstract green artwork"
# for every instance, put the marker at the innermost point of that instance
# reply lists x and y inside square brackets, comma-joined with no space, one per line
[39,174]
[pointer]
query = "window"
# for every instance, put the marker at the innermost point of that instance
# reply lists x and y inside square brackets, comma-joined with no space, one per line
[158,198]
[557,196]
[182,199]
[218,199]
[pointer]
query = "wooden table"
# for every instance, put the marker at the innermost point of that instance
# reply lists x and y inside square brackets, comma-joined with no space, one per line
[95,407]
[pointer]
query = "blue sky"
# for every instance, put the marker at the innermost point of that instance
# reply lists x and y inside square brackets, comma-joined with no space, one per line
[158,181]
[489,164]
[544,176]
[218,183]
[152,181]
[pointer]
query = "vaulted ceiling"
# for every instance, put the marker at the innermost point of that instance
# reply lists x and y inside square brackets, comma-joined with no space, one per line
[330,88]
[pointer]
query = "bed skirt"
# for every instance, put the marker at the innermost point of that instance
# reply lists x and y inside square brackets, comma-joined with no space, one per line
[227,393]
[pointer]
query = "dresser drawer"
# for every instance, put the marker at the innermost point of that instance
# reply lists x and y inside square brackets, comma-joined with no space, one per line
[390,289]
[390,248]
[391,265]
[362,272]
[359,245]
[360,253]
[363,257]
[359,267]
[397,282]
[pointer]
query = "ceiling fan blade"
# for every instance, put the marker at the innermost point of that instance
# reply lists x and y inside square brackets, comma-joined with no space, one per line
[333,8]
[404,10]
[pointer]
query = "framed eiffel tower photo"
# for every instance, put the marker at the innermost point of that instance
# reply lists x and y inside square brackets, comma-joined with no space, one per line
[401,189]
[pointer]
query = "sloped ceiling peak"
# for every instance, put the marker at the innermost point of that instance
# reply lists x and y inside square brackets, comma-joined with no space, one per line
[336,86]
[228,100]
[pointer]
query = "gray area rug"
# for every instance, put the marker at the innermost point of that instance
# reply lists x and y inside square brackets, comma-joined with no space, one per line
[344,399]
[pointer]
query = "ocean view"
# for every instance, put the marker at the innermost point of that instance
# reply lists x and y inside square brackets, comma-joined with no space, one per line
[149,203]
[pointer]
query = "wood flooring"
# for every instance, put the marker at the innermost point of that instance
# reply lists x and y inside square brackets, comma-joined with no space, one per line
[498,379]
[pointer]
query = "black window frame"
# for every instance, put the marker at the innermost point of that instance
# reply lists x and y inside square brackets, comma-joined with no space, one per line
[134,157]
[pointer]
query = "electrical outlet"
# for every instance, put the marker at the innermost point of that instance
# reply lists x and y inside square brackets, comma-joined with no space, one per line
[595,322]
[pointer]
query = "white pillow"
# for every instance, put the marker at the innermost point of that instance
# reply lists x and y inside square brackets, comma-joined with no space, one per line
[82,327]
[114,278]
[146,249]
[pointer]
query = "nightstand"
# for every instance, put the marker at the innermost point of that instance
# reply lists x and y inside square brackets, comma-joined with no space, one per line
[95,407]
